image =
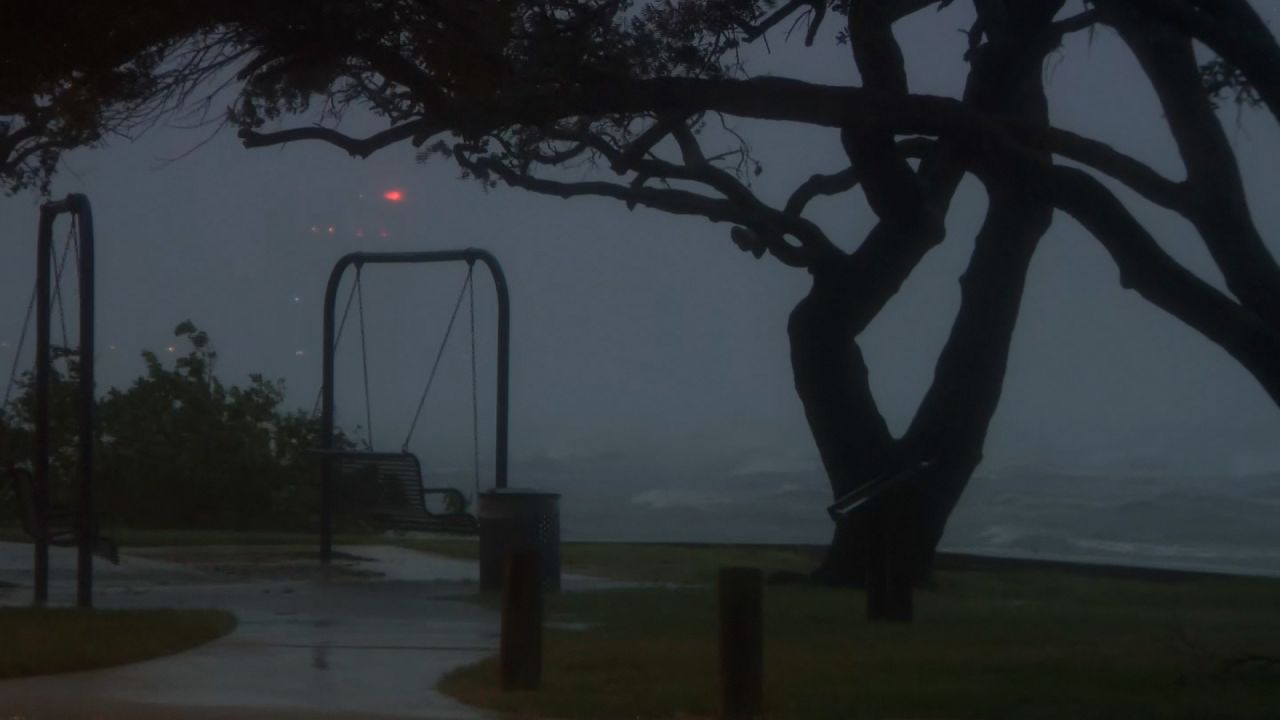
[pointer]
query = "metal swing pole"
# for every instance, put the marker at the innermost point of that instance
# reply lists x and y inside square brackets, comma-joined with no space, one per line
[469,255]
[78,206]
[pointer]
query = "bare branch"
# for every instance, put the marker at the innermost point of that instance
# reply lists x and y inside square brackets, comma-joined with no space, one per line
[357,147]
[1076,23]
[1136,175]
[1219,207]
[816,185]
[768,220]
[679,202]
[1231,28]
[1147,268]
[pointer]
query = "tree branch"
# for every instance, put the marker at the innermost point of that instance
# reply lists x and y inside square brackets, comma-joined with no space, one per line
[1231,28]
[1219,206]
[1076,23]
[1136,175]
[677,202]
[357,147]
[697,169]
[816,185]
[1147,268]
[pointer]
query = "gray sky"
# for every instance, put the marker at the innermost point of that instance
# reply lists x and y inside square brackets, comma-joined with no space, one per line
[640,333]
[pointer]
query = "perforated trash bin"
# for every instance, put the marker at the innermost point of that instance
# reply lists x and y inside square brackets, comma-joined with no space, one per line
[519,521]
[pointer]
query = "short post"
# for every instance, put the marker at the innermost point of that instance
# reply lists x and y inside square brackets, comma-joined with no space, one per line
[877,579]
[741,591]
[889,582]
[520,652]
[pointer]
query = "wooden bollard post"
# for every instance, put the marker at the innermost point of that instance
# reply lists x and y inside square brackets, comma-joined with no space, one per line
[520,652]
[877,578]
[741,592]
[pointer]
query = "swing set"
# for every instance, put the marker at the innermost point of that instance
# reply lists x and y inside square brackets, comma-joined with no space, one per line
[49,524]
[389,485]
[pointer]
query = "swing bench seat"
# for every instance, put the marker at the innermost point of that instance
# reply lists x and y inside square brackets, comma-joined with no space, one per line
[388,486]
[59,526]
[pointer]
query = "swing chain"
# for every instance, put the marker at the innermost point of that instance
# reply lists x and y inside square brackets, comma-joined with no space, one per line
[457,305]
[475,405]
[364,362]
[59,266]
[337,339]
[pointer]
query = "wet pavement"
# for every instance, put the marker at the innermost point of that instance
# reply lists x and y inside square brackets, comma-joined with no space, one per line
[369,647]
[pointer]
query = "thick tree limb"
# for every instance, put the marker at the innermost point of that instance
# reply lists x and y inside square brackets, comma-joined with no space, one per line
[1147,268]
[1219,206]
[1231,28]
[816,185]
[1136,175]
[875,50]
[956,411]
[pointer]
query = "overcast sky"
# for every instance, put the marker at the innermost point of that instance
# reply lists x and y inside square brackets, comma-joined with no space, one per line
[636,332]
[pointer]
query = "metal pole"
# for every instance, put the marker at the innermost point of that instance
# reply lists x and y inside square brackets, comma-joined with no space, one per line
[327,411]
[40,457]
[79,205]
[504,367]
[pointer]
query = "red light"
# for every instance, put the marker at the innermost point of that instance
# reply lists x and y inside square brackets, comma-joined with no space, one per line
[393,195]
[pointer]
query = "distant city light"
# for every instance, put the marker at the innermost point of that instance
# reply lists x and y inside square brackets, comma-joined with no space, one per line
[296,299]
[299,353]
[383,233]
[172,349]
[393,195]
[332,229]
[359,232]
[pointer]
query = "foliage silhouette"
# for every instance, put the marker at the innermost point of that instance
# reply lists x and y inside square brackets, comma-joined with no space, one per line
[180,449]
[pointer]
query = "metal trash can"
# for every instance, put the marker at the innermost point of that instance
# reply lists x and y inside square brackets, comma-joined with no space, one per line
[513,520]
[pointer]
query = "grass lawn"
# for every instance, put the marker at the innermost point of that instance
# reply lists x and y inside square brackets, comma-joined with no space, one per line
[990,641]
[38,641]
[986,644]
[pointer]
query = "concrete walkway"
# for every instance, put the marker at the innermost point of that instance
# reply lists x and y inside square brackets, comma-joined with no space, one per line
[303,648]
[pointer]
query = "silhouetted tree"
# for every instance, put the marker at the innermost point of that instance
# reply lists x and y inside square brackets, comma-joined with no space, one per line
[510,90]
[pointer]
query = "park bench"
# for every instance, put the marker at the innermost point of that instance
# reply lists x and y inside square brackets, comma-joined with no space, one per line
[388,486]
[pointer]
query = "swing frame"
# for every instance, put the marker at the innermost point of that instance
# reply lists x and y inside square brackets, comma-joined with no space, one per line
[327,412]
[85,523]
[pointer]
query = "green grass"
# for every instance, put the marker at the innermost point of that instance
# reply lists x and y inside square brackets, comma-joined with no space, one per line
[985,644]
[39,641]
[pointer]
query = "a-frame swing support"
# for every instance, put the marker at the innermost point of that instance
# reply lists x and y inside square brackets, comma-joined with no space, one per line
[357,259]
[77,206]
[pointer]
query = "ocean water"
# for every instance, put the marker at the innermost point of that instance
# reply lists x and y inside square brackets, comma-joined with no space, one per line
[1196,522]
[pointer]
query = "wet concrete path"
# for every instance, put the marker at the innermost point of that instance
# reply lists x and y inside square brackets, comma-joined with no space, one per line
[372,647]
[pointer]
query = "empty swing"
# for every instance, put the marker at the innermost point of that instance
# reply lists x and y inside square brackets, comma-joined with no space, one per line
[388,486]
